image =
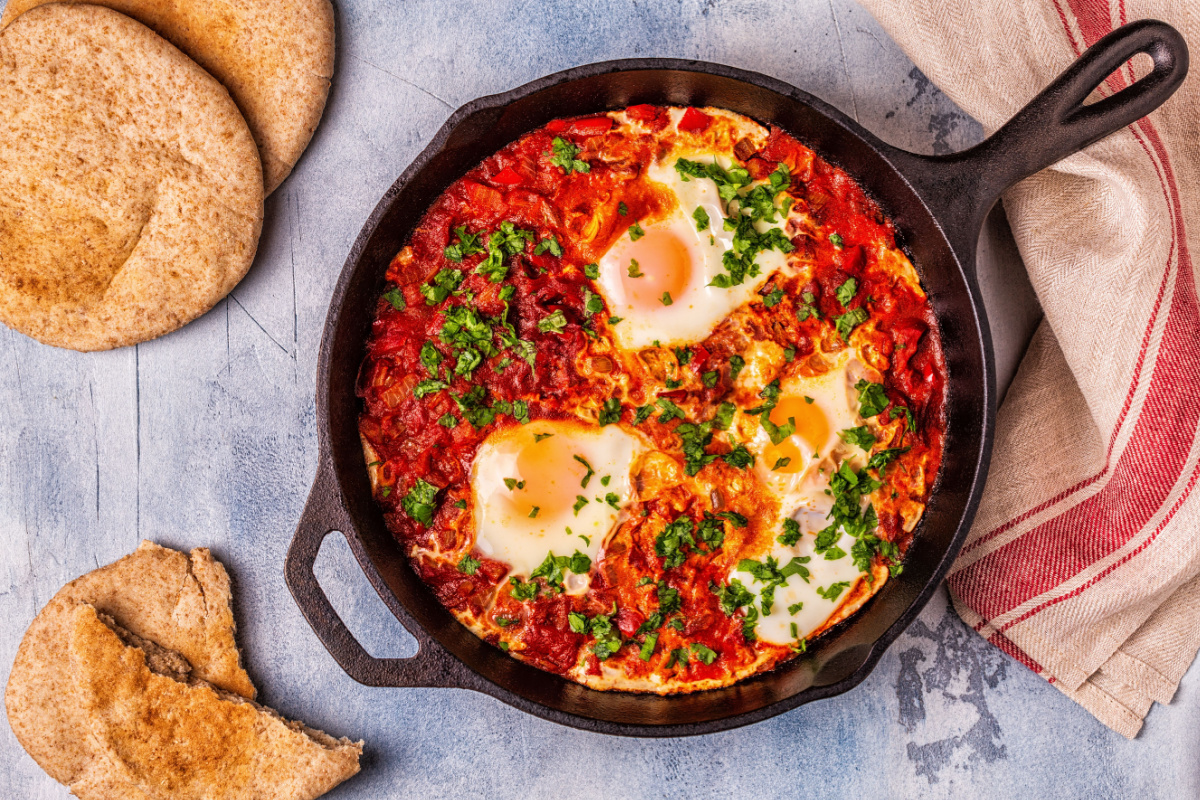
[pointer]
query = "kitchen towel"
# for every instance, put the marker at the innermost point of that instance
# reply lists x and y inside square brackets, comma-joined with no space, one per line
[1084,561]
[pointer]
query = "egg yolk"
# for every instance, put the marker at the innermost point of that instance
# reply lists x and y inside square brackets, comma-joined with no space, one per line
[812,429]
[551,476]
[664,262]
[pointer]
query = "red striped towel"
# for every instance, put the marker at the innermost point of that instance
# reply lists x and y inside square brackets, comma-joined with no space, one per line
[1084,562]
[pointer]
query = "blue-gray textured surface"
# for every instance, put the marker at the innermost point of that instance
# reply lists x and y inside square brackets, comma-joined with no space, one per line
[206,438]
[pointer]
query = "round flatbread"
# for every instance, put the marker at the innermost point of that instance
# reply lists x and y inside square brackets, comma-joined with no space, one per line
[130,186]
[179,601]
[274,56]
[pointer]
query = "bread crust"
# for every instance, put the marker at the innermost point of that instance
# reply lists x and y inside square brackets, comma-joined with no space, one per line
[274,56]
[180,601]
[164,735]
[130,185]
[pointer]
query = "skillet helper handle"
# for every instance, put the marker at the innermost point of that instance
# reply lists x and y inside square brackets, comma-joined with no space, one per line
[324,514]
[1056,123]
[962,187]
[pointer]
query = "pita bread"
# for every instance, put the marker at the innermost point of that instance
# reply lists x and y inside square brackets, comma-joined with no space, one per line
[172,739]
[130,186]
[274,56]
[181,602]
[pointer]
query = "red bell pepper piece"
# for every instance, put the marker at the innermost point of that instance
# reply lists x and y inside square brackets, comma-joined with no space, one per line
[694,120]
[592,126]
[507,176]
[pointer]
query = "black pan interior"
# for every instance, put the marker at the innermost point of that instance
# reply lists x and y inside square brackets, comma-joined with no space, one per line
[841,658]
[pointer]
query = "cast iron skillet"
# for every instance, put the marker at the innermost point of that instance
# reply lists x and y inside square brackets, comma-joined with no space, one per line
[938,205]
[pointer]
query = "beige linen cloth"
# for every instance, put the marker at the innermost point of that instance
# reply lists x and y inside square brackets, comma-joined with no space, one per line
[1084,560]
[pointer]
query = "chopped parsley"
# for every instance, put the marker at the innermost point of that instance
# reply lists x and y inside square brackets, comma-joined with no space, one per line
[610,412]
[847,322]
[590,472]
[419,502]
[468,565]
[591,270]
[614,320]
[666,299]
[860,436]
[445,283]
[533,512]
[553,567]
[872,399]
[670,411]
[565,156]
[808,308]
[448,420]
[884,457]
[703,653]
[580,502]
[744,209]
[428,386]
[642,414]
[903,410]
[636,232]
[671,541]
[791,532]
[550,243]
[593,303]
[774,297]
[634,270]
[701,217]
[622,209]
[513,483]
[523,590]
[833,591]
[466,244]
[710,378]
[553,323]
[739,457]
[845,293]
[608,637]
[736,365]
[648,647]
[780,463]
[396,298]
[431,358]
[836,240]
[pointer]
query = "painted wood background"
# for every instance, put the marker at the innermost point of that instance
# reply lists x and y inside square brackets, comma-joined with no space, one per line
[206,438]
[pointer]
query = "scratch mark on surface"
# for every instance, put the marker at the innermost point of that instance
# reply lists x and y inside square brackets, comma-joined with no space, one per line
[845,68]
[29,557]
[405,81]
[260,327]
[228,355]
[137,371]
[96,442]
[16,362]
[871,34]
[295,197]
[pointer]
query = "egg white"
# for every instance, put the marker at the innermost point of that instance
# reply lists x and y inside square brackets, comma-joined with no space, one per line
[693,315]
[776,627]
[834,395]
[505,532]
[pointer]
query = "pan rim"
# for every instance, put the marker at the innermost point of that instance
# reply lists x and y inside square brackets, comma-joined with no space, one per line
[355,262]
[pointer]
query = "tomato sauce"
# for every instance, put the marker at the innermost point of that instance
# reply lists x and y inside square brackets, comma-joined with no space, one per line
[418,432]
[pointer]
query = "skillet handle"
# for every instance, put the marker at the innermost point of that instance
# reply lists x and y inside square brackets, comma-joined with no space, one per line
[962,187]
[324,513]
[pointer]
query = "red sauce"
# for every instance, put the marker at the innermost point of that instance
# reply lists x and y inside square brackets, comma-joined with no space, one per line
[521,185]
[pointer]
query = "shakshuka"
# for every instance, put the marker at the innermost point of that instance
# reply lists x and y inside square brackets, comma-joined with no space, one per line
[653,398]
